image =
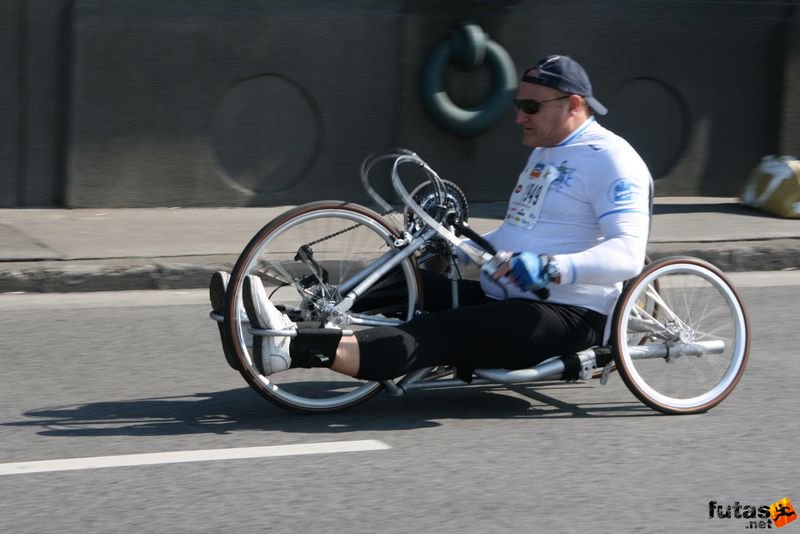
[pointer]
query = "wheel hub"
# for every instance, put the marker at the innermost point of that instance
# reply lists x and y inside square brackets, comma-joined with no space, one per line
[680,332]
[686,335]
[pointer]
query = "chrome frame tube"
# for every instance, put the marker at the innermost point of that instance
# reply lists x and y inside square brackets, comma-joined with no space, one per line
[366,167]
[672,350]
[553,368]
[268,332]
[371,320]
[354,280]
[399,256]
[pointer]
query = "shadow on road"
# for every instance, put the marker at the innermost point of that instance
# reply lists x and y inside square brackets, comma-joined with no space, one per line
[224,412]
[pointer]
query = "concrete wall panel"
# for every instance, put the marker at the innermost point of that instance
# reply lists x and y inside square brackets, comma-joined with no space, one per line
[45,62]
[10,105]
[790,103]
[265,102]
[162,98]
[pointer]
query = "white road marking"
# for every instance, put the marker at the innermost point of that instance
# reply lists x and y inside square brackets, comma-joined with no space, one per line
[104,299]
[98,462]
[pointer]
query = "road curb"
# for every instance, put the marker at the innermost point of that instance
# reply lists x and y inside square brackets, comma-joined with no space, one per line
[737,256]
[111,275]
[193,272]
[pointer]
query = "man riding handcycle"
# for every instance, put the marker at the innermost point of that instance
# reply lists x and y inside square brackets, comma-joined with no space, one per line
[327,305]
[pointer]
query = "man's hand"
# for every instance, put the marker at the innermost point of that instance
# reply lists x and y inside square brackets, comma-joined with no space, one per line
[525,269]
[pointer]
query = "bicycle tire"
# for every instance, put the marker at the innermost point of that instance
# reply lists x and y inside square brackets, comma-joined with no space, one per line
[342,238]
[695,302]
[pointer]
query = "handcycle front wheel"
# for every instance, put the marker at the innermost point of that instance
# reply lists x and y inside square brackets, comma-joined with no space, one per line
[680,336]
[302,258]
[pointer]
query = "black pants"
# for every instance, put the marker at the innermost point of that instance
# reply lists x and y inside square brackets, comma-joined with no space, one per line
[481,334]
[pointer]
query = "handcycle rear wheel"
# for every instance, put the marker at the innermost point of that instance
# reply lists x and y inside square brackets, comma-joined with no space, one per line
[302,257]
[674,302]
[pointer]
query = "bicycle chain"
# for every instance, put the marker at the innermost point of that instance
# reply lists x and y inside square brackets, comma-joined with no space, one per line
[340,232]
[331,236]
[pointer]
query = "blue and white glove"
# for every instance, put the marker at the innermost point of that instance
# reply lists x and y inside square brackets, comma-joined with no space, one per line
[530,270]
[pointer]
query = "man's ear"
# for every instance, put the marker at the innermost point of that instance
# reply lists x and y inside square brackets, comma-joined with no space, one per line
[575,102]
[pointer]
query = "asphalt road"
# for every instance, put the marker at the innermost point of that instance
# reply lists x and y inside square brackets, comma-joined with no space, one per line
[111,374]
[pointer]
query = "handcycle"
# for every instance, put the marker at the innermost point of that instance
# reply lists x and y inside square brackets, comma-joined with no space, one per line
[678,335]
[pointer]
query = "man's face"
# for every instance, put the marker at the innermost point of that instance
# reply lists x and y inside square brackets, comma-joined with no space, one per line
[548,126]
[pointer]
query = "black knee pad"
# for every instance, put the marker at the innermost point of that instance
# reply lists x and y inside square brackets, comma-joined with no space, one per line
[314,347]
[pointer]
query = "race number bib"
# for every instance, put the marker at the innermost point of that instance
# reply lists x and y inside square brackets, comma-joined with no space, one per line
[527,199]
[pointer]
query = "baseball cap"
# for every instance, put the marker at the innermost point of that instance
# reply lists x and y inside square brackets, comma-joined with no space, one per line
[564,74]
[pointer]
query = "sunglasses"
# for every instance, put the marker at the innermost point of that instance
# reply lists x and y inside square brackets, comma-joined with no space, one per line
[531,107]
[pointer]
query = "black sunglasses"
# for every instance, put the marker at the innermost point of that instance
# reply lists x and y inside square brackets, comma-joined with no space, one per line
[531,107]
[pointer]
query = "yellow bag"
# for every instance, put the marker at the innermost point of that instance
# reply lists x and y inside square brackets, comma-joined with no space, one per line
[774,186]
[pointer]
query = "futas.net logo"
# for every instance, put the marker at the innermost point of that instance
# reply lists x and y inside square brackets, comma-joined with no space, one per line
[775,515]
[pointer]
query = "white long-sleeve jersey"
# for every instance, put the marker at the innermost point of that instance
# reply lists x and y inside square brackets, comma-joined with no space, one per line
[593,217]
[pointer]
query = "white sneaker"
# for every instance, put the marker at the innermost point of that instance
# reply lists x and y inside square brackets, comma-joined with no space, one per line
[270,353]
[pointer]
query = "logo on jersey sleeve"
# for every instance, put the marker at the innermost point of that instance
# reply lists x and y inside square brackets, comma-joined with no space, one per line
[622,192]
